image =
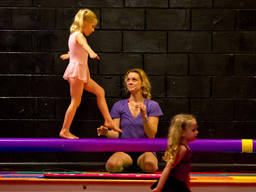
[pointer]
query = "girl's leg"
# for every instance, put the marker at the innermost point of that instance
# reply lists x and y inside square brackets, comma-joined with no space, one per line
[76,91]
[148,162]
[97,90]
[118,161]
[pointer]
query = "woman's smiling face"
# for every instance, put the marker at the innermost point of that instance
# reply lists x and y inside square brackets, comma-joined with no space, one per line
[133,82]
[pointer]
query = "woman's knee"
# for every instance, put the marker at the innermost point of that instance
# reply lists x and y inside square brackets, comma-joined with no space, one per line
[114,166]
[149,166]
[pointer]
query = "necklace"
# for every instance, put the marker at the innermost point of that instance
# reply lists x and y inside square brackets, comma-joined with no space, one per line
[133,104]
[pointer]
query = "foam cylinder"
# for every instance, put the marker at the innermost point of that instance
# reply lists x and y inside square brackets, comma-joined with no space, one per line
[126,145]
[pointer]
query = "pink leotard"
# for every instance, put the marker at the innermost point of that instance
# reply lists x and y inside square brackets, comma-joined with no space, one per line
[78,61]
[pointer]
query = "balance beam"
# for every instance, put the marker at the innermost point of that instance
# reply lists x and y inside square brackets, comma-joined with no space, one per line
[126,145]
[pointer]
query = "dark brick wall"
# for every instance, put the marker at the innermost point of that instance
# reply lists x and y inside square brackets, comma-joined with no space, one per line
[199,55]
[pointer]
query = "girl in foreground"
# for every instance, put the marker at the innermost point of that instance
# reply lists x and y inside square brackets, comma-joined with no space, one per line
[175,176]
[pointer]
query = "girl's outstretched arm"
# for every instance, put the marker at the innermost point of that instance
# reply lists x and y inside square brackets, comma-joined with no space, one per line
[64,56]
[166,172]
[83,42]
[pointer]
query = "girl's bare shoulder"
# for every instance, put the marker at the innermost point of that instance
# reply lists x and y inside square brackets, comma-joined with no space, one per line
[182,150]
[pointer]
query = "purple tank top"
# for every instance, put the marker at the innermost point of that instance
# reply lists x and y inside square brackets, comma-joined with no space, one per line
[181,170]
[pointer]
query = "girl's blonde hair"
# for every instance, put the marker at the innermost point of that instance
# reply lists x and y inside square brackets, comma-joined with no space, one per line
[178,124]
[146,87]
[83,15]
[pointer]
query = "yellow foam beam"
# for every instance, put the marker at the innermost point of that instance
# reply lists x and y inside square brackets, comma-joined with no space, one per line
[247,145]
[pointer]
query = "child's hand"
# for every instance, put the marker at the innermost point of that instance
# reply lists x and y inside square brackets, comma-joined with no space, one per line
[102,130]
[94,56]
[64,56]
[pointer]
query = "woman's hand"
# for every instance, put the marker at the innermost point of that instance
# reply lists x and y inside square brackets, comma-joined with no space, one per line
[143,110]
[102,131]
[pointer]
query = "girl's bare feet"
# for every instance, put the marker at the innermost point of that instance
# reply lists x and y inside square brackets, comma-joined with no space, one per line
[68,135]
[110,124]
